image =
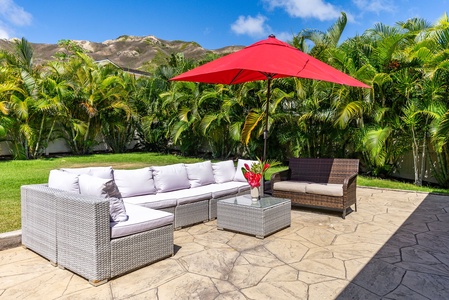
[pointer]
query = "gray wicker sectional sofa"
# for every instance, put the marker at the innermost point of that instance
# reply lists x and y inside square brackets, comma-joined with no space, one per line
[100,223]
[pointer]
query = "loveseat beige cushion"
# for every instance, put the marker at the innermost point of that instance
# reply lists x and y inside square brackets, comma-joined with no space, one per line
[328,189]
[291,186]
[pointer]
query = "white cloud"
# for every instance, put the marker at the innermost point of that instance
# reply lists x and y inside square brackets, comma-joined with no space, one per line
[284,36]
[252,26]
[3,32]
[12,15]
[317,9]
[376,6]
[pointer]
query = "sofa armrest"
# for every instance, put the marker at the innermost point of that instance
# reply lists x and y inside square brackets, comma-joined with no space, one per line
[38,215]
[83,233]
[349,181]
[279,176]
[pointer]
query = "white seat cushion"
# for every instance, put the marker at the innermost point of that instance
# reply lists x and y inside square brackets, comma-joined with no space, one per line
[65,181]
[291,186]
[157,201]
[140,219]
[219,190]
[328,189]
[170,178]
[190,196]
[238,172]
[135,182]
[224,171]
[200,174]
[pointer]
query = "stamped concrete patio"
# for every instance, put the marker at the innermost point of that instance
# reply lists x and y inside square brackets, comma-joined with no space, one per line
[395,247]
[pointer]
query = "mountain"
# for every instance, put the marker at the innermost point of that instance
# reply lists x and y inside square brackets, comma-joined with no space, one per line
[140,53]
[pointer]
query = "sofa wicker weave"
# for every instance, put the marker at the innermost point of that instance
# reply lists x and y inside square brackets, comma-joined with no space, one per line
[328,183]
[79,234]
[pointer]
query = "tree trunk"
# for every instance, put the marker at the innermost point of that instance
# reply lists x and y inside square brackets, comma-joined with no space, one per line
[415,149]
[41,129]
[423,160]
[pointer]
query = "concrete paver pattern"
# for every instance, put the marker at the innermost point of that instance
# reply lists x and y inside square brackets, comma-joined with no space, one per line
[396,246]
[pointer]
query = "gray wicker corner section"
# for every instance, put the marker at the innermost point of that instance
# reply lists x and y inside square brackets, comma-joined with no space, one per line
[323,171]
[74,231]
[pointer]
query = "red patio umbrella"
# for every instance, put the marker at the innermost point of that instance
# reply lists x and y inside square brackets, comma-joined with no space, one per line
[266,60]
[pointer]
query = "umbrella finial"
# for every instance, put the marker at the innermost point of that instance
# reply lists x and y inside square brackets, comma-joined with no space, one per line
[271,36]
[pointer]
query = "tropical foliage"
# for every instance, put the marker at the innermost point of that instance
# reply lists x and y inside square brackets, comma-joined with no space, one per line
[86,104]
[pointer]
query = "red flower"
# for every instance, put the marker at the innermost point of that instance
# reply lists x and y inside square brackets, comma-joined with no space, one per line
[254,173]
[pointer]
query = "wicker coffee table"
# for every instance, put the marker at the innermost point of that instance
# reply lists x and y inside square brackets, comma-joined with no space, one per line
[261,218]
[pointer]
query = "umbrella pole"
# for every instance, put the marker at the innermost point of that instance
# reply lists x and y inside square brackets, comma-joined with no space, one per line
[265,133]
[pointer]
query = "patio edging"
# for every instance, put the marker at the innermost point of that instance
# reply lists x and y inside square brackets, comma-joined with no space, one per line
[10,239]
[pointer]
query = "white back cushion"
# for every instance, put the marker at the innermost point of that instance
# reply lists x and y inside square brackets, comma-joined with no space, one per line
[104,188]
[238,172]
[200,174]
[102,172]
[170,178]
[64,181]
[135,182]
[224,171]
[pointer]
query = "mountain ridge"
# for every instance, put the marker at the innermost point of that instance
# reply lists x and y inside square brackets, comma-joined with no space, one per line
[134,52]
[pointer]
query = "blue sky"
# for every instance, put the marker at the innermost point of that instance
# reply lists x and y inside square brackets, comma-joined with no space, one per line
[213,24]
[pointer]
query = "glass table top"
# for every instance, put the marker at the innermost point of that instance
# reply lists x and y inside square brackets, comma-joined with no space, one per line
[245,200]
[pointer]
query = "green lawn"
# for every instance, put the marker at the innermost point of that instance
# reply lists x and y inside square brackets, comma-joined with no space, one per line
[15,173]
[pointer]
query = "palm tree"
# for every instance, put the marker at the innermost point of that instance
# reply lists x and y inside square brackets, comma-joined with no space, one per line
[98,93]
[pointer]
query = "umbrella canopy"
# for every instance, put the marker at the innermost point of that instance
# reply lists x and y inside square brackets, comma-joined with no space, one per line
[266,60]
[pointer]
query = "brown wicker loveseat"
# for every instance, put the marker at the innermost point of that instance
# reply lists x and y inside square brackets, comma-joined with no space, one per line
[318,182]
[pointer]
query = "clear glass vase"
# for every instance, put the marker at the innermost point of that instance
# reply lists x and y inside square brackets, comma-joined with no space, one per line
[255,194]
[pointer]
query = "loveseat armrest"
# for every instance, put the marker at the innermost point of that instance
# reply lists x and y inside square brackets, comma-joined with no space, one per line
[83,233]
[349,192]
[279,176]
[349,181]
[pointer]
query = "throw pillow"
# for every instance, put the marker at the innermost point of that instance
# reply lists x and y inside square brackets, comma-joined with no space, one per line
[238,172]
[102,172]
[200,174]
[104,188]
[64,181]
[224,171]
[170,178]
[135,182]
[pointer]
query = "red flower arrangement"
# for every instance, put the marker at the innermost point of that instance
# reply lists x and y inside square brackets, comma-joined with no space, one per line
[254,173]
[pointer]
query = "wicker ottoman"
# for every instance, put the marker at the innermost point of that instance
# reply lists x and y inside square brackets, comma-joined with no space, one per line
[261,218]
